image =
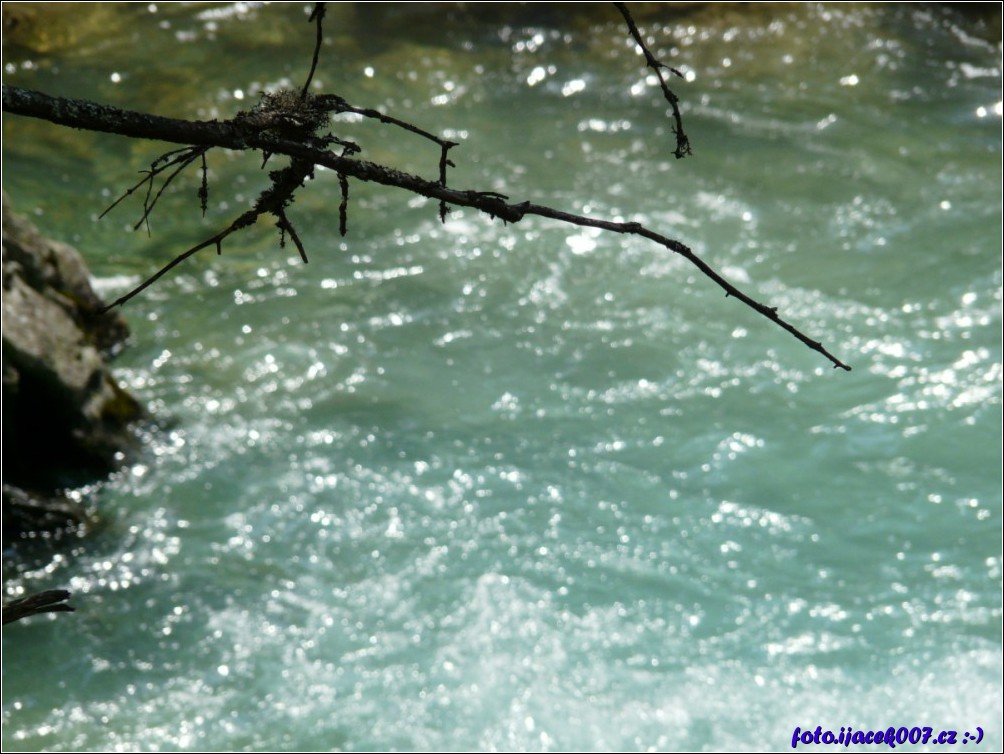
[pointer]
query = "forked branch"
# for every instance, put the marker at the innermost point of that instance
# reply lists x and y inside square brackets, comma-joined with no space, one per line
[287,123]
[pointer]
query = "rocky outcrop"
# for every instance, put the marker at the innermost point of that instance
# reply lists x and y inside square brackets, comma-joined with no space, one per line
[65,418]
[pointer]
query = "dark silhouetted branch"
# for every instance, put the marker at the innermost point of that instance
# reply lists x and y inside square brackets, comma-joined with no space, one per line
[682,141]
[52,601]
[343,206]
[316,15]
[179,159]
[235,134]
[287,123]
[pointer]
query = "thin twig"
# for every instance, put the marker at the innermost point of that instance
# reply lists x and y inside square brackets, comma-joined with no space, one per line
[181,158]
[770,312]
[204,186]
[285,225]
[443,163]
[343,206]
[682,141]
[336,104]
[182,162]
[272,200]
[216,240]
[315,15]
[148,174]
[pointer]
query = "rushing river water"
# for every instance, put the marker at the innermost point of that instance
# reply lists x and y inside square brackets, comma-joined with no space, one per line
[476,485]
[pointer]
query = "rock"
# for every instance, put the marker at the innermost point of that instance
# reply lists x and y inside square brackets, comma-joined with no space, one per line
[65,418]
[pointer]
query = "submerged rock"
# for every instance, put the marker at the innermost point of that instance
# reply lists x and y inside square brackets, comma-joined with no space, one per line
[65,418]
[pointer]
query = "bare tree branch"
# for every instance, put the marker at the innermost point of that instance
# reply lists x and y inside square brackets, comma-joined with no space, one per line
[316,15]
[682,142]
[343,206]
[242,133]
[181,158]
[339,105]
[51,601]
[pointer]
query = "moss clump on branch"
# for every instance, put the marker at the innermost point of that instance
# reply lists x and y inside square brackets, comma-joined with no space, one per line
[286,114]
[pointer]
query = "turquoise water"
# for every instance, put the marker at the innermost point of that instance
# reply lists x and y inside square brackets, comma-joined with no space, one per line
[533,487]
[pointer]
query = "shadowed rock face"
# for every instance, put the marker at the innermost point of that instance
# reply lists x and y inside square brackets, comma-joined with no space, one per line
[65,418]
